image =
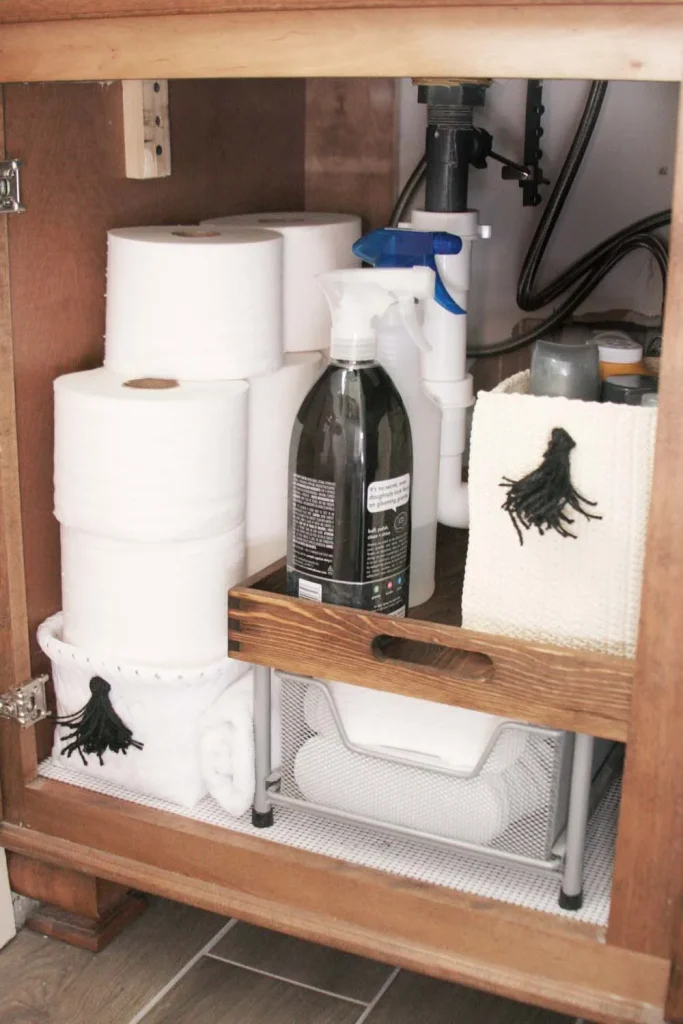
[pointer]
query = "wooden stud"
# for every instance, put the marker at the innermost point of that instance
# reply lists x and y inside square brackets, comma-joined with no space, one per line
[146,128]
[615,41]
[648,880]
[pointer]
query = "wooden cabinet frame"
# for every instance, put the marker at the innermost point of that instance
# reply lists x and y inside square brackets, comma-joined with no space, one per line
[621,976]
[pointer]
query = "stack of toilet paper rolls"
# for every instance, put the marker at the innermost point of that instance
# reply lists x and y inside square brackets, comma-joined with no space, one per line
[150,450]
[171,460]
[150,494]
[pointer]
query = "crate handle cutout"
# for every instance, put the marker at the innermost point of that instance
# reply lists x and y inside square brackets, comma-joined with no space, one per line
[461,664]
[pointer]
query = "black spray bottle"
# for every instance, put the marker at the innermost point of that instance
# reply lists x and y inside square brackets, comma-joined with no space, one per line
[350,458]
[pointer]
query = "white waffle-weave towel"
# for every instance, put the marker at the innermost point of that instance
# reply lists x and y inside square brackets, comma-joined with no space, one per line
[582,593]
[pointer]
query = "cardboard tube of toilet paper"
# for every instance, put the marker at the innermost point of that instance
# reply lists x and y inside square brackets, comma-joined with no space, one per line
[313,244]
[194,303]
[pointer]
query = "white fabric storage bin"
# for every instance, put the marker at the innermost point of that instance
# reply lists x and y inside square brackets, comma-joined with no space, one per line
[581,591]
[165,709]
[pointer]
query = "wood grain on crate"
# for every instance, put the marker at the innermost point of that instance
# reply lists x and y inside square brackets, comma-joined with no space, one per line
[508,950]
[428,656]
[638,42]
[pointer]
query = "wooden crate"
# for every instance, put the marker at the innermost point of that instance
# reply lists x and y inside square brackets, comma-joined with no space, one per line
[428,655]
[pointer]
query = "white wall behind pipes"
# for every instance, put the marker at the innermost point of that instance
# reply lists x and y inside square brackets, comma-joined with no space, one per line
[627,173]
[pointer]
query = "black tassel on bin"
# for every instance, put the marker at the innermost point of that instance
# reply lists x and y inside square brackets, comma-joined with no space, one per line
[96,727]
[543,497]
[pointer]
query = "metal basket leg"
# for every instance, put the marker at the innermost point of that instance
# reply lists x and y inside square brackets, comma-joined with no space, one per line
[571,893]
[262,811]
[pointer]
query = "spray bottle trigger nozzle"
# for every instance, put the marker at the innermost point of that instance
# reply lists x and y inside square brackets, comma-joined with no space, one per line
[407,307]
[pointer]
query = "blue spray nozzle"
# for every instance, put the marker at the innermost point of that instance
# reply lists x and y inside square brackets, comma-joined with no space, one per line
[396,247]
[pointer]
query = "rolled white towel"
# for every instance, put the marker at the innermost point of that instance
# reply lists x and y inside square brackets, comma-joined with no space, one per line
[418,730]
[227,744]
[472,810]
[227,747]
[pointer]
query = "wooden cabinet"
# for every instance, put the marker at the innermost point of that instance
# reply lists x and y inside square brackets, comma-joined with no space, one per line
[252,111]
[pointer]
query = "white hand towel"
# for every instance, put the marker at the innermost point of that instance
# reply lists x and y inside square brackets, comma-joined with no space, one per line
[227,747]
[227,744]
[577,592]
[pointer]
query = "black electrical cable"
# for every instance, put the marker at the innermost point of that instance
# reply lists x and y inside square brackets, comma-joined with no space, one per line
[589,269]
[407,192]
[644,241]
[588,263]
[559,195]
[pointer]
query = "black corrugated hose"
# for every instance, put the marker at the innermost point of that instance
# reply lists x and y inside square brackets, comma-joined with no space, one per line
[589,269]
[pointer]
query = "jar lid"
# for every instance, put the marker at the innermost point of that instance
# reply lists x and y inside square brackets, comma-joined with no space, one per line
[628,389]
[617,347]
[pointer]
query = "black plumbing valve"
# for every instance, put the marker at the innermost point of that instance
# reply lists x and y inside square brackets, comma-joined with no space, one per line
[453,143]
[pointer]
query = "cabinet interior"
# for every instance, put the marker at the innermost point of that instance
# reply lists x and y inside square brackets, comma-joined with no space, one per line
[238,145]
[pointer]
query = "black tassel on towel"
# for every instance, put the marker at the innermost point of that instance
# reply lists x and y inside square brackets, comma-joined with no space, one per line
[97,727]
[544,497]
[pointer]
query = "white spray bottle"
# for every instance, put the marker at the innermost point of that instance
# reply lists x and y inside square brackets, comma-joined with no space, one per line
[400,357]
[350,460]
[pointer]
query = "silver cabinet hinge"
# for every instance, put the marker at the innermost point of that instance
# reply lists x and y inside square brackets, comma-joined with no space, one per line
[10,187]
[27,704]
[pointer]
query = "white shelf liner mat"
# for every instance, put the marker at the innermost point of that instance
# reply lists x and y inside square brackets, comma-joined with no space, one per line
[513,884]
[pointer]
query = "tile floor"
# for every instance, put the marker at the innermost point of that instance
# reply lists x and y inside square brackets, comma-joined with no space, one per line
[178,965]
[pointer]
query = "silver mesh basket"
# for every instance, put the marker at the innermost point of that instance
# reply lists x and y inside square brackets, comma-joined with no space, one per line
[513,802]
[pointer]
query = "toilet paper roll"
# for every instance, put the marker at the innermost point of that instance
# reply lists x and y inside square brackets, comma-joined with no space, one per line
[191,303]
[274,401]
[149,459]
[314,244]
[163,604]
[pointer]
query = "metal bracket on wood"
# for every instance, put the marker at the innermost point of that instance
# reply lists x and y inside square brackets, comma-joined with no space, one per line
[10,187]
[27,704]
